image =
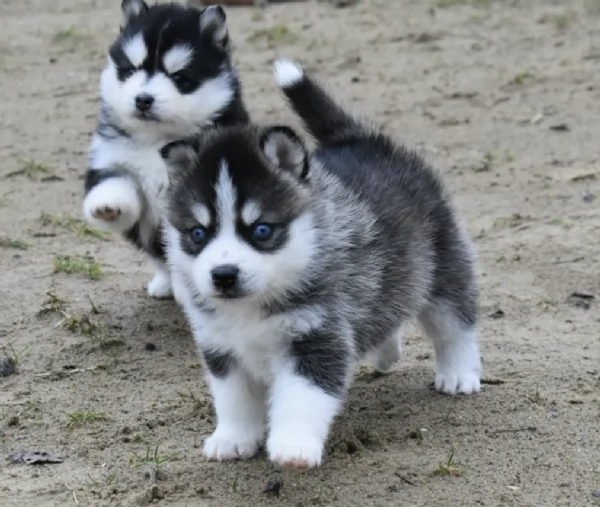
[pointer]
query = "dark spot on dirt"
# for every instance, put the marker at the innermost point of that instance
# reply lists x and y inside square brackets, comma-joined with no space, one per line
[581,300]
[498,314]
[13,420]
[273,487]
[560,127]
[150,347]
[34,457]
[588,197]
[7,366]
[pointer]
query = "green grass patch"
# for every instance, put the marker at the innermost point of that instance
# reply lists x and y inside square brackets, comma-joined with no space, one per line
[16,244]
[83,417]
[274,36]
[523,78]
[72,265]
[76,225]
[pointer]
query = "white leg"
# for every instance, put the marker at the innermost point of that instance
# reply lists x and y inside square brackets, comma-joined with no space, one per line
[300,416]
[113,205]
[458,365]
[240,408]
[389,352]
[179,291]
[160,286]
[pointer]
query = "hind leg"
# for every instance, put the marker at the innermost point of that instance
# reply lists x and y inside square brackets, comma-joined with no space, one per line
[458,366]
[389,352]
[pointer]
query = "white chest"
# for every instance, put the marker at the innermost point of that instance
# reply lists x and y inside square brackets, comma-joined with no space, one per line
[259,344]
[142,159]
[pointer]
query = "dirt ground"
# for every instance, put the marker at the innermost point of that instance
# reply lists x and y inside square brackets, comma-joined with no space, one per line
[503,96]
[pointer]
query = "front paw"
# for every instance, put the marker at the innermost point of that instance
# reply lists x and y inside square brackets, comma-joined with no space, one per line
[457,382]
[225,445]
[106,213]
[295,451]
[160,286]
[113,205]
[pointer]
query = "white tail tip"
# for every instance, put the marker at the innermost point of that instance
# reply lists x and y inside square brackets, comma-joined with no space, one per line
[288,73]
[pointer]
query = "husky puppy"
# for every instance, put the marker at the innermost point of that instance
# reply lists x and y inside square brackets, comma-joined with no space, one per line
[293,267]
[169,75]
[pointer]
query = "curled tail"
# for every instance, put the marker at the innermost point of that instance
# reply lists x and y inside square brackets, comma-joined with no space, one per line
[325,119]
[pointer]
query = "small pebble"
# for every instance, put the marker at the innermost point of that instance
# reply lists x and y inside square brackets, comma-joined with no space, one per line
[589,197]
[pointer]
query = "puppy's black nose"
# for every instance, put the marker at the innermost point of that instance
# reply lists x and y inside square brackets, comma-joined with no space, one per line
[144,102]
[225,276]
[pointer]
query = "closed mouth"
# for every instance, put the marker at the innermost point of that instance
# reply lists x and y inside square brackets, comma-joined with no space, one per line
[229,295]
[146,116]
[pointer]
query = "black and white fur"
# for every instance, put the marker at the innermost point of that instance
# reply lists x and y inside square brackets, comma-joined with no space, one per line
[169,75]
[293,267]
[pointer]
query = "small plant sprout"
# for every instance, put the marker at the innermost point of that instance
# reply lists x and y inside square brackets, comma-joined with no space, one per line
[53,304]
[152,462]
[449,466]
[14,355]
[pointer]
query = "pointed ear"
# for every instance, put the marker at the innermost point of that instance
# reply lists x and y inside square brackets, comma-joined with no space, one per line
[179,155]
[285,149]
[213,24]
[132,9]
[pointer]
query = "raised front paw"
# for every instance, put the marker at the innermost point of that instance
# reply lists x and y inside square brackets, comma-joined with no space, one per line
[106,213]
[113,204]
[225,445]
[295,452]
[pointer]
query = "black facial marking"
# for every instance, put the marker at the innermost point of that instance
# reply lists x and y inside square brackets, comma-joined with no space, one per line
[254,179]
[163,27]
[322,358]
[219,364]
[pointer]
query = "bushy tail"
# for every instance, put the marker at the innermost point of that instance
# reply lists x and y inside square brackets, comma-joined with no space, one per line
[325,119]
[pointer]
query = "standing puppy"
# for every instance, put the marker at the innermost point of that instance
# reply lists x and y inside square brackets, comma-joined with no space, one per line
[169,75]
[293,267]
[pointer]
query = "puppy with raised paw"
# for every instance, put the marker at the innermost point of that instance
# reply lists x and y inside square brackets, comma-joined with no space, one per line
[169,75]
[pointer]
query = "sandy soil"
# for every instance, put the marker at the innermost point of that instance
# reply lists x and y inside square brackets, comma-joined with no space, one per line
[504,97]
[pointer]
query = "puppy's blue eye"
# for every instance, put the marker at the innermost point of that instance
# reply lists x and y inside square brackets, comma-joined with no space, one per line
[263,232]
[198,235]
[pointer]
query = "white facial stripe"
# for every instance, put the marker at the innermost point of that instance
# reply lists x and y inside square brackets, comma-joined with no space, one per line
[136,50]
[177,58]
[250,212]
[225,200]
[201,214]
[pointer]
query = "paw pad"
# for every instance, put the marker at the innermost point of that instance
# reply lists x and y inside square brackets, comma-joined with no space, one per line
[107,213]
